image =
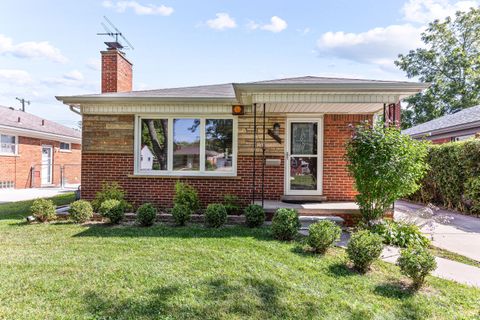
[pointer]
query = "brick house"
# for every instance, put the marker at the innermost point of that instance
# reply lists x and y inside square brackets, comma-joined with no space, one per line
[278,139]
[35,152]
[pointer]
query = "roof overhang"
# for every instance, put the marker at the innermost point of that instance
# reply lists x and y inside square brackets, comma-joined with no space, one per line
[39,134]
[447,130]
[78,100]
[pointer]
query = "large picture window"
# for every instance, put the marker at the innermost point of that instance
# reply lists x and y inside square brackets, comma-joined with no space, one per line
[185,146]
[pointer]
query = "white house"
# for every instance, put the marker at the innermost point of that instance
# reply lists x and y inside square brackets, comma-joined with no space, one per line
[146,159]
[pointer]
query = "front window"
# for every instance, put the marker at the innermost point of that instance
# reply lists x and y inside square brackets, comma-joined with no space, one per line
[64,146]
[8,144]
[185,146]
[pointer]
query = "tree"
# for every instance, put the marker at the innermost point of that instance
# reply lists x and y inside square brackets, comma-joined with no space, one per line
[386,166]
[450,61]
[154,135]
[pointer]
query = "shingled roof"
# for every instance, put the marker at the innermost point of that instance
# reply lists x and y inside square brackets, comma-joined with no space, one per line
[17,119]
[469,116]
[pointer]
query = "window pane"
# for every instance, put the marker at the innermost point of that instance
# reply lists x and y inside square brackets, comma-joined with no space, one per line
[7,139]
[64,146]
[186,144]
[303,173]
[218,144]
[7,144]
[304,138]
[154,146]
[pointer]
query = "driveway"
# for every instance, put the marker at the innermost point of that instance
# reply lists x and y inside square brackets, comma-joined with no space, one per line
[460,235]
[12,195]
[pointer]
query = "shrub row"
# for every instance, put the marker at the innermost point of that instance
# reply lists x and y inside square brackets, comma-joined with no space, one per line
[453,180]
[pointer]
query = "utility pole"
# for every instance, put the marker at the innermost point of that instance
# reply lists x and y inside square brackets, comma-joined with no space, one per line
[23,101]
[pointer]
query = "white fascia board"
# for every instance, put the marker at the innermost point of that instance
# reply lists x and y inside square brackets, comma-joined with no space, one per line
[39,135]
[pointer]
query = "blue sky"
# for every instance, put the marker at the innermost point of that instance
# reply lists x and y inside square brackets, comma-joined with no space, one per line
[50,48]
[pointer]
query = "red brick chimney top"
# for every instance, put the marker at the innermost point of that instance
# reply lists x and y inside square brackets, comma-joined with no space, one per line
[116,72]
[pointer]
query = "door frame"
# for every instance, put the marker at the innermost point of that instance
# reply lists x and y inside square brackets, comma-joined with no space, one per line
[50,180]
[304,118]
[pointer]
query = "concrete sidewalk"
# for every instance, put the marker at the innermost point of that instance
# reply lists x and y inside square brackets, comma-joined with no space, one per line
[460,235]
[12,195]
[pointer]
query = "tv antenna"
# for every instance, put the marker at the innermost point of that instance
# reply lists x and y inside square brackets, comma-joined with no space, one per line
[112,45]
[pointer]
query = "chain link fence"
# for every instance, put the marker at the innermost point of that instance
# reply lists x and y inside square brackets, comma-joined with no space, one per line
[55,175]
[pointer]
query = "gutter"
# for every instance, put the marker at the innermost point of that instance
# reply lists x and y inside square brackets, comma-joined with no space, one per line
[454,128]
[109,99]
[40,134]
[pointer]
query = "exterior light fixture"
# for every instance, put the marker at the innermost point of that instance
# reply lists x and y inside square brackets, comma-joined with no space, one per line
[237,110]
[275,132]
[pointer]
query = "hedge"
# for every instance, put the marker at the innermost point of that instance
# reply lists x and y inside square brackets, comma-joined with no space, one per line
[453,176]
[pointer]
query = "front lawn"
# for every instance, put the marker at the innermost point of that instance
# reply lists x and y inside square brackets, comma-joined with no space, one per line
[69,271]
[20,209]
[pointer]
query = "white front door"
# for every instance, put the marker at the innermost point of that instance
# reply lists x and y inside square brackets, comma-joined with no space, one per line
[304,150]
[47,165]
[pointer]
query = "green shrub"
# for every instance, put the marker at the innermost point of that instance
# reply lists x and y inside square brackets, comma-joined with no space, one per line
[113,209]
[386,166]
[322,235]
[416,262]
[181,214]
[453,178]
[363,249]
[400,234]
[186,195]
[146,214]
[109,191]
[231,203]
[215,215]
[43,210]
[254,215]
[80,211]
[285,224]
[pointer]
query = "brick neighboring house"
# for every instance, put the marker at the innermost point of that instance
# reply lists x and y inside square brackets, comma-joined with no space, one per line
[35,152]
[462,125]
[211,136]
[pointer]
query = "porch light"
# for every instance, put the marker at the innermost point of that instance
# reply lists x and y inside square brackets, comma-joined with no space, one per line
[275,132]
[276,129]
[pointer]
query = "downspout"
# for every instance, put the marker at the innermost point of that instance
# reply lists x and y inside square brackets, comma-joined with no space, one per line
[254,149]
[72,108]
[263,157]
[384,115]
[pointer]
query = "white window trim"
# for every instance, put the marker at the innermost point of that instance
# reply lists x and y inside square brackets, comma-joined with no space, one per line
[16,146]
[65,150]
[169,171]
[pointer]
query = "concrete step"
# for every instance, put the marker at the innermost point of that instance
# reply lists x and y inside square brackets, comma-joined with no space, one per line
[306,221]
[302,198]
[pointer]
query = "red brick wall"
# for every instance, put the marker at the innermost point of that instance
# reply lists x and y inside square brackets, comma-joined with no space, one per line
[337,182]
[442,140]
[18,168]
[116,72]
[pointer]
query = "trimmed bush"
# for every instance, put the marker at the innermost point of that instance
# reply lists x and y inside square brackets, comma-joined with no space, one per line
[113,209]
[254,215]
[43,210]
[453,180]
[231,203]
[400,234]
[416,262]
[285,224]
[181,214]
[186,195]
[363,249]
[386,165]
[215,215]
[110,191]
[80,211]
[322,235]
[146,214]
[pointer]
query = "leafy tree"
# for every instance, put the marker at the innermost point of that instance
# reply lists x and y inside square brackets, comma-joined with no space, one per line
[386,166]
[154,135]
[450,61]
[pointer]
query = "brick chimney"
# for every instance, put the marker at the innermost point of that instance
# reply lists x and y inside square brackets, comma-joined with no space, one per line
[116,71]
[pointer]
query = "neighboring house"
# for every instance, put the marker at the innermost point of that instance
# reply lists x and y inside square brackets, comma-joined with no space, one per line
[462,125]
[146,159]
[35,152]
[211,136]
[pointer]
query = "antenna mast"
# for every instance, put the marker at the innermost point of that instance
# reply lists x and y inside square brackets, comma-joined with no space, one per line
[23,101]
[114,45]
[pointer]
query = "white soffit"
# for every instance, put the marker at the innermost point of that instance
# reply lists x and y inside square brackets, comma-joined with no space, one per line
[324,107]
[193,108]
[321,97]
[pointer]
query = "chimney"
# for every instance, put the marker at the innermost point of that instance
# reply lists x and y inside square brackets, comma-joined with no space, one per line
[116,71]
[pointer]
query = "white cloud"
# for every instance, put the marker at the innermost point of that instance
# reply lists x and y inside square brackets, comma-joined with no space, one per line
[222,21]
[424,11]
[276,24]
[31,49]
[15,76]
[74,75]
[94,64]
[140,9]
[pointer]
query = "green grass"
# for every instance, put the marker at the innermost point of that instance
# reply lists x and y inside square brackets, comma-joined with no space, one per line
[67,271]
[439,252]
[21,209]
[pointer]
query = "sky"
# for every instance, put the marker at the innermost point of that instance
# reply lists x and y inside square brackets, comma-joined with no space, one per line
[50,48]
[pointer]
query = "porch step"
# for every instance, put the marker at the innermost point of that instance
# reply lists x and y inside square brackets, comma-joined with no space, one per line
[306,221]
[302,198]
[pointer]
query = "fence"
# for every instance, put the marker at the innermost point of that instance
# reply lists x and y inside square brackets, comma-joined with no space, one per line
[55,175]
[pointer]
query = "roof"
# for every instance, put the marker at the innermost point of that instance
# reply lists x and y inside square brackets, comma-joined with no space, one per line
[451,122]
[227,92]
[30,123]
